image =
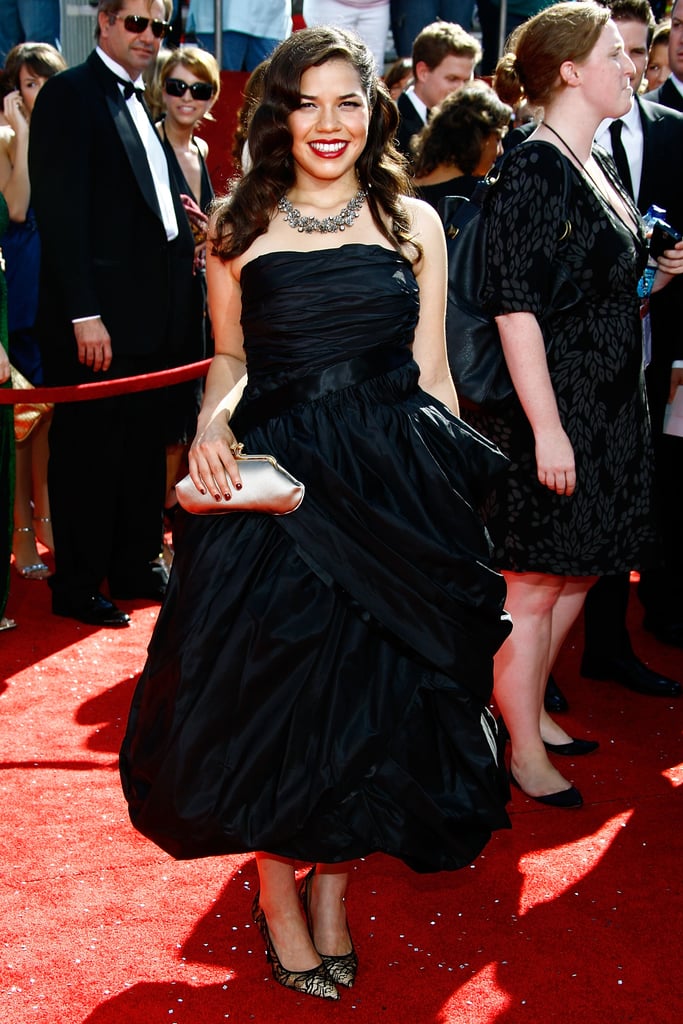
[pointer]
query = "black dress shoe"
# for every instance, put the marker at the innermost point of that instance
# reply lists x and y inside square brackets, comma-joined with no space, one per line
[665,632]
[149,586]
[577,748]
[566,798]
[630,672]
[554,701]
[94,611]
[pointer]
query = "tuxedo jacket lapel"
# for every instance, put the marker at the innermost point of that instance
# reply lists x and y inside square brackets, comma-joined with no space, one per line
[645,186]
[128,133]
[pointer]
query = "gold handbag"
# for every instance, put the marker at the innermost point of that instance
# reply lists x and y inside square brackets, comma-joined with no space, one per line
[27,415]
[266,487]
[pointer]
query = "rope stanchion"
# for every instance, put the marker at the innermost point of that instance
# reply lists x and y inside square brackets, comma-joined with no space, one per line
[106,388]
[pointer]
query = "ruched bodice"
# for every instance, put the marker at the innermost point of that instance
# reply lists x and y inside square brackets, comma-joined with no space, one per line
[304,311]
[317,684]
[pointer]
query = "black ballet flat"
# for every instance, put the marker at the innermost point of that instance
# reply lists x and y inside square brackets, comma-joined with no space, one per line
[577,748]
[342,969]
[313,982]
[567,799]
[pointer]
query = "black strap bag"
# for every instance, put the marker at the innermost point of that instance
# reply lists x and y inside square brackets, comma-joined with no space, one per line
[475,352]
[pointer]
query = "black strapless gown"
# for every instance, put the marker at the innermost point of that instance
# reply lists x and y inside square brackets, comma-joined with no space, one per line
[317,683]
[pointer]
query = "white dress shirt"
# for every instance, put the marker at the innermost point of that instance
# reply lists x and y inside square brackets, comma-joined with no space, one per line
[421,108]
[156,158]
[632,138]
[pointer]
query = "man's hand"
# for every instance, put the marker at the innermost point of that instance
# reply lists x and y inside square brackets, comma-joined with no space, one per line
[94,344]
[676,382]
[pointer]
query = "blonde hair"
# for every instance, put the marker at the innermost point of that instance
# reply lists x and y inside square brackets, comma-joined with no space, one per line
[198,62]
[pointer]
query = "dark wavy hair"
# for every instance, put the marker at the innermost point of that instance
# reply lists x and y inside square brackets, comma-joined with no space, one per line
[246,212]
[459,128]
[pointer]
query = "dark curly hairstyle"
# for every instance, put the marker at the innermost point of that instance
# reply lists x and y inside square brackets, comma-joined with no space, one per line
[458,129]
[246,212]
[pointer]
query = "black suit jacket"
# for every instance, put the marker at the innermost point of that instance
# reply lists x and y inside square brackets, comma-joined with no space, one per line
[104,247]
[662,183]
[667,94]
[410,123]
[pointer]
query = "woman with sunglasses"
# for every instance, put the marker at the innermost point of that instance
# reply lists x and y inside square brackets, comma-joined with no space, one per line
[186,86]
[317,683]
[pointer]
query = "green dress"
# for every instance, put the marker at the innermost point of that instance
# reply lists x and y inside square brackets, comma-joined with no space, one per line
[6,440]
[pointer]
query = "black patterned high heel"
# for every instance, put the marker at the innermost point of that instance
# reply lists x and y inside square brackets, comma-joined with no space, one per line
[313,982]
[342,969]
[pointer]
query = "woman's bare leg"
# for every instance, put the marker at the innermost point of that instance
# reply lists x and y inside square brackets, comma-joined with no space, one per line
[281,905]
[565,612]
[520,672]
[327,909]
[40,454]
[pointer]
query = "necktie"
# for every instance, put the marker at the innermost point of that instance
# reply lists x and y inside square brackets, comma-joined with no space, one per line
[620,158]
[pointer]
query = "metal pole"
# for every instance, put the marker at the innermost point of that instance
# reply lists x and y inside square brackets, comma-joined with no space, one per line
[218,31]
[502,34]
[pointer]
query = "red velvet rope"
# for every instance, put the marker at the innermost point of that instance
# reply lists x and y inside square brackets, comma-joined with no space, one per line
[105,388]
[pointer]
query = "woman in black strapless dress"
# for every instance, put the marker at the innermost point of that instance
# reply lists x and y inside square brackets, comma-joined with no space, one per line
[317,683]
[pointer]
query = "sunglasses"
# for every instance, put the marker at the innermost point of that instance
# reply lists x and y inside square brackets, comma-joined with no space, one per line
[199,90]
[136,24]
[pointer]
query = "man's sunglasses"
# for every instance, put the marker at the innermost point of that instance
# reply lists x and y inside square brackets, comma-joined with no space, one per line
[136,24]
[199,90]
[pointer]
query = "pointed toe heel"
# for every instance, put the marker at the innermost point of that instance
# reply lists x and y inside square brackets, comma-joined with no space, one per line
[313,982]
[576,748]
[567,799]
[342,969]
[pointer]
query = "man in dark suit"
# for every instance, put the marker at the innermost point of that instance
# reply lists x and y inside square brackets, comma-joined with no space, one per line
[670,94]
[648,151]
[443,57]
[114,297]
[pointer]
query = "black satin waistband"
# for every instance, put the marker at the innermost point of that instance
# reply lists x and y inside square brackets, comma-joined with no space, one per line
[251,413]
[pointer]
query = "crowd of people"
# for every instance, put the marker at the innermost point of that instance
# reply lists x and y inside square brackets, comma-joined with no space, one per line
[318,685]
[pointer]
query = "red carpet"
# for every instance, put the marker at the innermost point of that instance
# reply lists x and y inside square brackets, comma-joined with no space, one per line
[571,917]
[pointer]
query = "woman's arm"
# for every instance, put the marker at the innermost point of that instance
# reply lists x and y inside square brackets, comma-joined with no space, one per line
[429,347]
[210,458]
[524,352]
[14,179]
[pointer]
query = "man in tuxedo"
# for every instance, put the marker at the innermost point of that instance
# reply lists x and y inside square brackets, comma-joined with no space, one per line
[116,273]
[443,57]
[647,146]
[670,94]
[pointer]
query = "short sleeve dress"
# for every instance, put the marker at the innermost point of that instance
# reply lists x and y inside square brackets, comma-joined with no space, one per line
[595,363]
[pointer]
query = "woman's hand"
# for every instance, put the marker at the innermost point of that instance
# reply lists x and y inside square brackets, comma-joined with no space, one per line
[213,467]
[4,366]
[15,113]
[555,462]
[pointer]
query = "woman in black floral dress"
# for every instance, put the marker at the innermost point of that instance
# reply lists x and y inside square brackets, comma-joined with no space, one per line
[576,502]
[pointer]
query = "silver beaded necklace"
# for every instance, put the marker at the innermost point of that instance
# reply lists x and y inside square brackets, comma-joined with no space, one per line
[340,222]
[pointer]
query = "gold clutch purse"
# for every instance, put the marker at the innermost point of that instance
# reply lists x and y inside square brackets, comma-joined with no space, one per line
[266,487]
[27,415]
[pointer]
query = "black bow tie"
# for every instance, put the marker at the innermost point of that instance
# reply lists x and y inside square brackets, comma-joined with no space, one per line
[129,89]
